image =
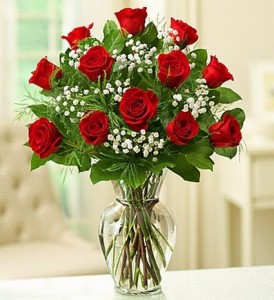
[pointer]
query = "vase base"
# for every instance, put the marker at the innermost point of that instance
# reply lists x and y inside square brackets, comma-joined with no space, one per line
[151,291]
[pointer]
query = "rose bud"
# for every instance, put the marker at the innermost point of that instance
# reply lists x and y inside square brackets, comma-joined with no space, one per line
[216,73]
[76,35]
[44,137]
[187,35]
[137,107]
[43,74]
[182,129]
[96,63]
[132,20]
[94,127]
[173,68]
[225,133]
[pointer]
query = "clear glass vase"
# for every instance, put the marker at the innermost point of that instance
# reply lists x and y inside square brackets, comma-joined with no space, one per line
[137,235]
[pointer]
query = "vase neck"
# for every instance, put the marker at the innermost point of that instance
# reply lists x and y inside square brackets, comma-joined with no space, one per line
[148,192]
[138,203]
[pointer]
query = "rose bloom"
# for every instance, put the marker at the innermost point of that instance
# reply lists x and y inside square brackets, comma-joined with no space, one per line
[76,35]
[225,133]
[216,73]
[132,20]
[182,129]
[187,35]
[43,74]
[173,68]
[44,137]
[94,127]
[96,63]
[137,107]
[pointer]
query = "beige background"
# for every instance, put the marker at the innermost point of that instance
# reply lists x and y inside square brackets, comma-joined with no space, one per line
[240,33]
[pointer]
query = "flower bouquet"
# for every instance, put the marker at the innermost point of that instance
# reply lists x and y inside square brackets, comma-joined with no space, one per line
[125,107]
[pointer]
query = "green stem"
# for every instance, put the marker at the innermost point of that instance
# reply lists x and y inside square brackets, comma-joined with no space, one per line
[113,253]
[125,241]
[129,266]
[164,239]
[148,235]
[143,256]
[155,239]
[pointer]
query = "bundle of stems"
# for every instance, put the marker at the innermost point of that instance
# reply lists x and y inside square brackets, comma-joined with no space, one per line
[137,251]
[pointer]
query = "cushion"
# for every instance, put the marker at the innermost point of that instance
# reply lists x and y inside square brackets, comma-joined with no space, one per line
[49,259]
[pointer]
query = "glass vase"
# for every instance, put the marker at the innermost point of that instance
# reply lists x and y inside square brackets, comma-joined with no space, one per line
[137,236]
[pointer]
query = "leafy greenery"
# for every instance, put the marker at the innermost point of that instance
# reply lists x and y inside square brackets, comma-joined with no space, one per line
[227,95]
[186,170]
[114,40]
[227,152]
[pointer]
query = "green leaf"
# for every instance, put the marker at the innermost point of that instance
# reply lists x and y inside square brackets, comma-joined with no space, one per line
[150,34]
[110,26]
[71,157]
[87,41]
[60,125]
[165,118]
[40,110]
[214,96]
[37,162]
[227,152]
[238,114]
[114,40]
[100,171]
[200,60]
[134,174]
[227,95]
[205,120]
[202,147]
[200,161]
[164,161]
[83,163]
[185,170]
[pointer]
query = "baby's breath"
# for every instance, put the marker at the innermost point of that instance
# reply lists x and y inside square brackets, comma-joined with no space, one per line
[125,141]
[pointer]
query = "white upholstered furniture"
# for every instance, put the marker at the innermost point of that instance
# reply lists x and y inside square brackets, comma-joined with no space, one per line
[35,240]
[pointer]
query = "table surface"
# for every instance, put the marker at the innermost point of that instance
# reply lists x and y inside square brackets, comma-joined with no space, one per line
[254,283]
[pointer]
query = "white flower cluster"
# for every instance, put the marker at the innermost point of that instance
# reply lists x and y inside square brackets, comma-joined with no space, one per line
[168,38]
[68,104]
[191,63]
[136,142]
[141,57]
[118,89]
[199,103]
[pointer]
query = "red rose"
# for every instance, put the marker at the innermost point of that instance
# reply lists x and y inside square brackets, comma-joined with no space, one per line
[94,127]
[137,107]
[132,20]
[43,74]
[44,137]
[216,73]
[76,35]
[225,133]
[182,129]
[96,63]
[173,68]
[187,35]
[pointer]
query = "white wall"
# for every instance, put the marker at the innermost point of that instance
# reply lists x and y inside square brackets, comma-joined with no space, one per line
[240,33]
